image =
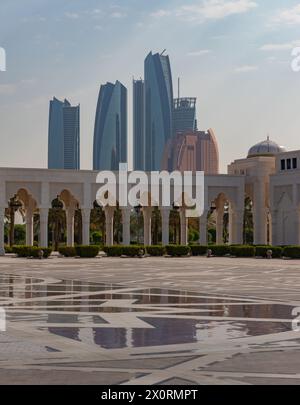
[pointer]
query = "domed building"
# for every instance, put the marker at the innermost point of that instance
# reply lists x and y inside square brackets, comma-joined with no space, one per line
[257,168]
[265,148]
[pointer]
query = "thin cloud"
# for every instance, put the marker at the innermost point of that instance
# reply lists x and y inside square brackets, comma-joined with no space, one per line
[160,13]
[118,14]
[72,16]
[208,10]
[246,69]
[279,47]
[201,52]
[289,16]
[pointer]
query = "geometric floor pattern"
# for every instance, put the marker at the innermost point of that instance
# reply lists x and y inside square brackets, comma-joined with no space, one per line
[150,321]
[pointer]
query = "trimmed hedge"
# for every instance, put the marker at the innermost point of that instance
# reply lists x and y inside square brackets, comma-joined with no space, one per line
[117,251]
[242,251]
[221,250]
[292,252]
[89,251]
[261,251]
[31,251]
[178,250]
[8,249]
[67,251]
[156,250]
[198,250]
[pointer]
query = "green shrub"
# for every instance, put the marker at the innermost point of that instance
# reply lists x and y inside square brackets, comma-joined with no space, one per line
[47,252]
[31,251]
[198,250]
[67,251]
[178,250]
[220,250]
[261,251]
[242,251]
[8,249]
[292,252]
[156,250]
[120,250]
[88,251]
[113,251]
[96,237]
[132,251]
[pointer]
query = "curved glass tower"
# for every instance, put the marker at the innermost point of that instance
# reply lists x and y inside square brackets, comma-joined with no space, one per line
[110,135]
[158,108]
[64,135]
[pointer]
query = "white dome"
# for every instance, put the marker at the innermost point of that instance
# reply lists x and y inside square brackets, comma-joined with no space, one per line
[265,148]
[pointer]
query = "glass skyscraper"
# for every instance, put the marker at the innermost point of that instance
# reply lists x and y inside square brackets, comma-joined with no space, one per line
[138,125]
[110,134]
[63,135]
[184,115]
[158,108]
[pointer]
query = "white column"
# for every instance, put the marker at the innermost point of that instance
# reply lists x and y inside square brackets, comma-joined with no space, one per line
[260,214]
[109,225]
[219,226]
[2,216]
[183,227]
[165,223]
[44,227]
[239,227]
[126,226]
[203,229]
[147,213]
[29,227]
[236,226]
[296,234]
[85,215]
[70,215]
[231,225]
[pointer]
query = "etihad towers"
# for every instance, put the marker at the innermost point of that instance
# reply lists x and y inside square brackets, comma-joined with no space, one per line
[158,95]
[110,133]
[63,135]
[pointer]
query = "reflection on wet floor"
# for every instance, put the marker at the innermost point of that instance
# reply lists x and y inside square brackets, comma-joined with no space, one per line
[113,316]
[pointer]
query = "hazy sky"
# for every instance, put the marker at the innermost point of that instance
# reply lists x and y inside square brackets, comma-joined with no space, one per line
[234,56]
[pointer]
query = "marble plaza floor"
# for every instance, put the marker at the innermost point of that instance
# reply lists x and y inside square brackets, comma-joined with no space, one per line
[149,321]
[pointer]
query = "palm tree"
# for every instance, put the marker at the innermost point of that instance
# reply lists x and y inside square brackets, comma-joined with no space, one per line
[13,206]
[156,227]
[175,224]
[57,221]
[248,221]
[98,220]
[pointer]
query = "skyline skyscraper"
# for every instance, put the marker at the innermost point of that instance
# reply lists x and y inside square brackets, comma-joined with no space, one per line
[138,124]
[192,151]
[110,134]
[158,108]
[184,114]
[63,135]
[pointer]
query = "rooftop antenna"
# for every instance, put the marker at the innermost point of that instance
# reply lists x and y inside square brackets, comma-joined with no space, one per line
[178,88]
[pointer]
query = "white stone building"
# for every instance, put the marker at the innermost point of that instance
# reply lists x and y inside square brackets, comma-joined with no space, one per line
[269,176]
